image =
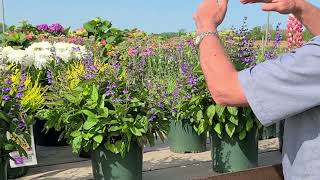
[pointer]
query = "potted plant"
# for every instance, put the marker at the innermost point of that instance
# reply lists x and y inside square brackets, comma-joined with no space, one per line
[190,101]
[19,97]
[101,108]
[234,132]
[234,139]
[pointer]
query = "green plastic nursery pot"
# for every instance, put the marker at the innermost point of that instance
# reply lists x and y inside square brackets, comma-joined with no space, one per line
[109,166]
[268,132]
[231,154]
[3,168]
[17,172]
[184,139]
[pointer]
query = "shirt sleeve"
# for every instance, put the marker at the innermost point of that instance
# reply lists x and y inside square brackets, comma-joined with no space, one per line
[284,87]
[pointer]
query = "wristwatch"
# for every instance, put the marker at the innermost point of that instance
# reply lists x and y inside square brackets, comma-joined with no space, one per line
[202,35]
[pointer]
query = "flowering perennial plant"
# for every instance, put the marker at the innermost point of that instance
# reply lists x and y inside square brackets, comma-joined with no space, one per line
[40,55]
[294,32]
[19,99]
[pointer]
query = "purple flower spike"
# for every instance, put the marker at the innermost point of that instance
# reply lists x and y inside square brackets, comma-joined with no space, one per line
[50,76]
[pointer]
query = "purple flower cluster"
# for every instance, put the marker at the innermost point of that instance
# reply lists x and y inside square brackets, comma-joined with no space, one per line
[110,89]
[190,43]
[89,67]
[271,54]
[21,86]
[151,117]
[53,28]
[22,123]
[43,27]
[5,90]
[50,76]
[56,28]
[147,52]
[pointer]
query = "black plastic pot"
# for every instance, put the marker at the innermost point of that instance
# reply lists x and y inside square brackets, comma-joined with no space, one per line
[46,139]
[14,173]
[3,168]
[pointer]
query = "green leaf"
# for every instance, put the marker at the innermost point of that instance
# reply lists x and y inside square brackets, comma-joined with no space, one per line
[242,135]
[111,39]
[230,129]
[233,110]
[104,112]
[76,144]
[98,138]
[72,99]
[9,147]
[89,27]
[217,128]
[219,110]
[88,113]
[136,131]
[114,129]
[103,98]
[234,120]
[91,121]
[201,128]
[249,124]
[211,111]
[94,94]
[199,115]
[95,145]
[75,133]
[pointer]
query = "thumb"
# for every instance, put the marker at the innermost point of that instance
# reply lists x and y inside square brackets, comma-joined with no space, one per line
[270,7]
[224,5]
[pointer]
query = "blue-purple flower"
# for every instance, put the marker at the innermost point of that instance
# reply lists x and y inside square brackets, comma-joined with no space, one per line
[50,76]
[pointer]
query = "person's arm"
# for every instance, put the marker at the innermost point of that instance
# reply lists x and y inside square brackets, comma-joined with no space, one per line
[307,13]
[220,74]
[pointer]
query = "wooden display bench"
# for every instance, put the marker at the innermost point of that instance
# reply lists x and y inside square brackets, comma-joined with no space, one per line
[261,173]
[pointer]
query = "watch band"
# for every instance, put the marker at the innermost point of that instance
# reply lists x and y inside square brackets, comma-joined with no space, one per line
[202,35]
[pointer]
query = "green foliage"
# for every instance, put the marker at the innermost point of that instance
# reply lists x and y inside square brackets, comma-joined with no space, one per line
[102,30]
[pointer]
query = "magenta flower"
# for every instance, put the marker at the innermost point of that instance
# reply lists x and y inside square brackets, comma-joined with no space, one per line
[43,27]
[56,28]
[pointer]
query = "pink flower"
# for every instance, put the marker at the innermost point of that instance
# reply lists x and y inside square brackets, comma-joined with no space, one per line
[29,36]
[133,51]
[294,32]
[104,42]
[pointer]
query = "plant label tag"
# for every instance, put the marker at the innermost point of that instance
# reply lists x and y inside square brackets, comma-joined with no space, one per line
[21,161]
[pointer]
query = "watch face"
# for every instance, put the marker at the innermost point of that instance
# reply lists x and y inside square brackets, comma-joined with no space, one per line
[197,40]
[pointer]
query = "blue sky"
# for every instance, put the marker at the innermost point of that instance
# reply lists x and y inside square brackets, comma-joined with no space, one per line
[148,15]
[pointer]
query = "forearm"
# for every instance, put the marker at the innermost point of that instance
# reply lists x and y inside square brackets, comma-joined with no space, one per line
[309,15]
[220,74]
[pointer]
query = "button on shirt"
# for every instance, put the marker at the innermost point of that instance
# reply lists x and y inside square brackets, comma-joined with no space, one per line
[289,88]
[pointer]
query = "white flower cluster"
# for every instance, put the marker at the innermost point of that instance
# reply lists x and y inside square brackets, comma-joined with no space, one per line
[41,54]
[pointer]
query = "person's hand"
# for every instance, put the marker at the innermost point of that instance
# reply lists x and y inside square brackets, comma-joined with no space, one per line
[210,15]
[280,6]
